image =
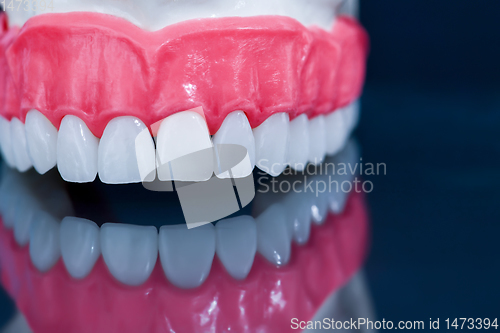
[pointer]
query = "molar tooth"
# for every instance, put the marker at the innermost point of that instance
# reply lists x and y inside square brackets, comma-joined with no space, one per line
[126,152]
[184,141]
[271,139]
[298,143]
[6,142]
[76,151]
[237,244]
[80,245]
[236,130]
[186,255]
[44,241]
[19,147]
[41,137]
[317,139]
[336,131]
[129,251]
[273,239]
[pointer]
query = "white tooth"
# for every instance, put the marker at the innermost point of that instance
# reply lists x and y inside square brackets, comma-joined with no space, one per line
[80,245]
[273,240]
[271,139]
[186,255]
[124,151]
[298,143]
[19,147]
[336,131]
[184,137]
[236,130]
[41,137]
[319,207]
[237,244]
[298,208]
[26,211]
[351,114]
[76,151]
[6,142]
[129,251]
[317,139]
[44,241]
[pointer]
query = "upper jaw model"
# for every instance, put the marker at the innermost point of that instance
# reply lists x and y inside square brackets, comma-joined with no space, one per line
[133,91]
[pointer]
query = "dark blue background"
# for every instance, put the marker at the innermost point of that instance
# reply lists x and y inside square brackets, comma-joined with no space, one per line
[431,112]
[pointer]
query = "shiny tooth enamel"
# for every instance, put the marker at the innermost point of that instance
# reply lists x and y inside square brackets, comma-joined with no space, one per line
[236,130]
[129,251]
[44,246]
[317,139]
[271,140]
[80,245]
[126,147]
[186,255]
[6,142]
[298,208]
[273,239]
[41,138]
[319,208]
[336,135]
[76,151]
[19,147]
[352,115]
[298,143]
[184,141]
[154,15]
[236,244]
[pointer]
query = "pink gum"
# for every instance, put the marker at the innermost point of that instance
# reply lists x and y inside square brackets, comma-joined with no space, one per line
[98,67]
[267,299]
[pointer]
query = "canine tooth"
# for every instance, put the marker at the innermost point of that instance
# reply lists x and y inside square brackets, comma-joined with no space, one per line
[336,131]
[44,241]
[236,244]
[184,141]
[6,142]
[124,151]
[298,208]
[236,130]
[129,251]
[271,139]
[76,151]
[80,245]
[41,137]
[25,213]
[298,143]
[273,240]
[317,139]
[19,147]
[186,255]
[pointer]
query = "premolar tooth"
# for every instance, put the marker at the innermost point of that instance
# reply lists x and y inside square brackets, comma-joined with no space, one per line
[317,139]
[236,130]
[237,244]
[273,239]
[19,147]
[298,143]
[186,255]
[76,151]
[129,251]
[80,245]
[6,142]
[44,242]
[184,141]
[271,139]
[126,148]
[41,137]
[336,131]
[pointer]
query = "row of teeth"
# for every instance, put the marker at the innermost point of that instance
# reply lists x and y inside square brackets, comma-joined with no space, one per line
[126,152]
[130,251]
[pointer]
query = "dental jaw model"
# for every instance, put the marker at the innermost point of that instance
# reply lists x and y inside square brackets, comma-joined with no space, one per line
[79,85]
